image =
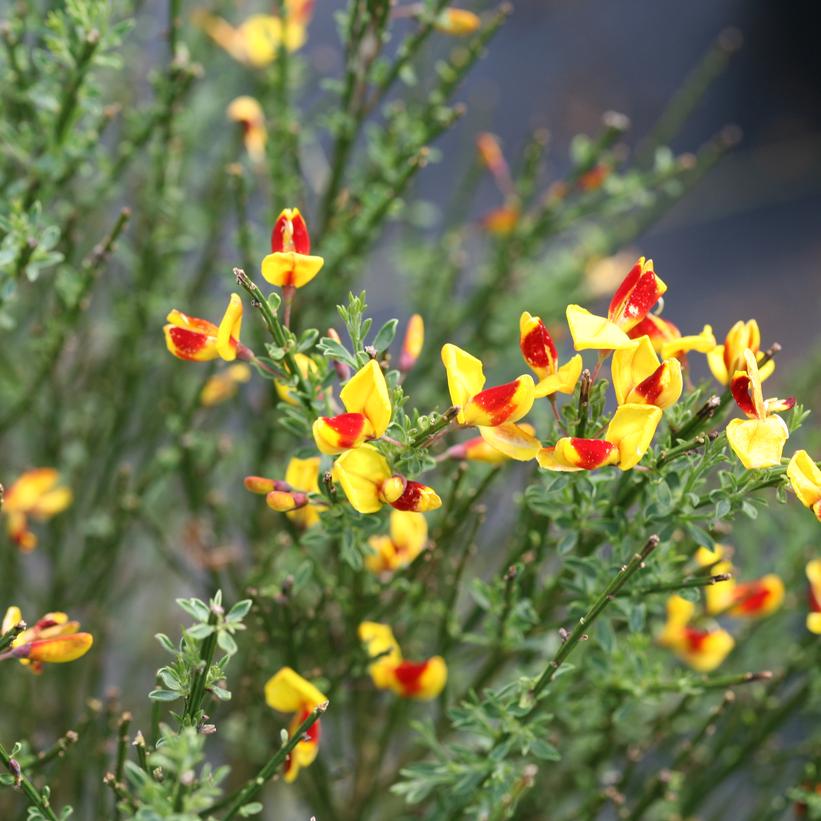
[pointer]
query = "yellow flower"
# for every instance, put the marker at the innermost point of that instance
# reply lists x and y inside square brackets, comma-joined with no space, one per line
[497,445]
[423,680]
[639,378]
[290,263]
[306,366]
[36,494]
[724,360]
[287,692]
[198,340]
[412,343]
[408,537]
[805,479]
[540,353]
[457,22]
[248,113]
[223,385]
[291,495]
[814,576]
[52,640]
[703,650]
[759,440]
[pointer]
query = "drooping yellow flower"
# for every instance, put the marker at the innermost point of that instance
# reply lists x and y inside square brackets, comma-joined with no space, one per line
[288,692]
[704,650]
[814,576]
[631,303]
[368,405]
[248,113]
[368,482]
[639,378]
[290,263]
[223,386]
[36,494]
[408,538]
[540,353]
[759,440]
[491,408]
[52,640]
[805,479]
[724,360]
[198,340]
[423,680]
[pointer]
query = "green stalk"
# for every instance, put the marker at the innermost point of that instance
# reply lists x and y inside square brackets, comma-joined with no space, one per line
[35,797]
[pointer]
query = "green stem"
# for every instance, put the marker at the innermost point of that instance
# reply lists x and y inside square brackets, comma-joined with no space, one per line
[35,797]
[194,703]
[682,584]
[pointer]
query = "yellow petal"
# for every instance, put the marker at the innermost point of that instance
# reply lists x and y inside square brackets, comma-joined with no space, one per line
[60,649]
[51,503]
[594,332]
[367,393]
[679,613]
[500,404]
[758,443]
[703,343]
[26,491]
[715,647]
[814,622]
[632,365]
[303,474]
[631,430]
[512,440]
[715,359]
[563,381]
[409,532]
[12,618]
[360,473]
[290,269]
[229,327]
[261,35]
[805,478]
[465,374]
[287,692]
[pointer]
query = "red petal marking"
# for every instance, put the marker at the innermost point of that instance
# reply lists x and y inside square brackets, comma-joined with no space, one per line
[347,426]
[498,401]
[592,453]
[815,602]
[656,328]
[409,675]
[635,301]
[187,343]
[43,624]
[300,238]
[751,597]
[313,731]
[538,348]
[742,387]
[652,387]
[409,500]
[195,323]
[695,638]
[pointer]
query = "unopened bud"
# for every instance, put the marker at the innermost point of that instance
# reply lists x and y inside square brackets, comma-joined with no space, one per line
[412,343]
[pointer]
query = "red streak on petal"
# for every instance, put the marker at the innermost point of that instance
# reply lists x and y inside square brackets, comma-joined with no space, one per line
[652,387]
[301,239]
[42,624]
[187,343]
[815,601]
[498,401]
[751,597]
[592,453]
[538,348]
[347,426]
[313,731]
[409,500]
[623,291]
[656,328]
[741,387]
[695,638]
[409,675]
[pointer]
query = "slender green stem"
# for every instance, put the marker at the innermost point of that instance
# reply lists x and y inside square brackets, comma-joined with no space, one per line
[426,436]
[35,797]
[195,697]
[682,584]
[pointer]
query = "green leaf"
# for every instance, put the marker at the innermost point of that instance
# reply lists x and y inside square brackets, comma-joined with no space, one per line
[247,810]
[544,751]
[274,301]
[385,335]
[239,611]
[226,642]
[200,631]
[196,608]
[164,695]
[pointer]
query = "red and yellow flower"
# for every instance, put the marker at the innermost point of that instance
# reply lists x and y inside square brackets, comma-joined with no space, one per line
[423,680]
[36,494]
[753,599]
[54,639]
[814,577]
[805,479]
[639,378]
[198,340]
[457,22]
[223,386]
[479,449]
[626,440]
[292,496]
[290,263]
[248,113]
[408,538]
[368,482]
[703,649]
[539,351]
[667,339]
[256,41]
[287,692]
[631,303]
[724,360]
[493,410]
[412,343]
[368,405]
[759,440]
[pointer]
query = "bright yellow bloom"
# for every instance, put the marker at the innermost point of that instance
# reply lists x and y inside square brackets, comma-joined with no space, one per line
[287,692]
[457,22]
[368,405]
[248,113]
[198,340]
[724,360]
[719,596]
[667,339]
[422,680]
[224,385]
[412,343]
[306,366]
[814,576]
[408,538]
[540,353]
[368,482]
[52,640]
[36,494]
[503,220]
[632,301]
[497,445]
[759,440]
[805,479]
[703,650]
[290,263]
[493,407]
[639,378]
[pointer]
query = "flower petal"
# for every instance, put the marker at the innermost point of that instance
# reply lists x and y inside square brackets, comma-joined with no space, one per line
[594,332]
[758,443]
[366,392]
[631,430]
